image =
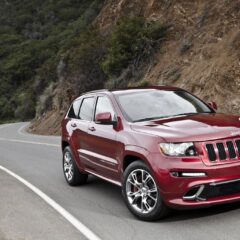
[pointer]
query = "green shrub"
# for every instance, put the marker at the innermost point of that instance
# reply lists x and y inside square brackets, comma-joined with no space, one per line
[67,14]
[84,55]
[124,43]
[25,102]
[128,42]
[84,60]
[34,37]
[44,102]
[155,31]
[143,83]
[22,20]
[6,110]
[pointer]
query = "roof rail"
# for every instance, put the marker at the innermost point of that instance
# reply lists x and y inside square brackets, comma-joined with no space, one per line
[96,91]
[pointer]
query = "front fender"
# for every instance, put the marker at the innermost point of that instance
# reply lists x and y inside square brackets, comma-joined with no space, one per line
[135,151]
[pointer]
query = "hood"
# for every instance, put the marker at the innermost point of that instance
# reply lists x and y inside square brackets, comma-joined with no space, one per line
[200,127]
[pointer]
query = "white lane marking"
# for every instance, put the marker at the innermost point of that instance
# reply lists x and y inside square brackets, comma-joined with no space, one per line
[5,125]
[22,128]
[29,142]
[23,132]
[68,216]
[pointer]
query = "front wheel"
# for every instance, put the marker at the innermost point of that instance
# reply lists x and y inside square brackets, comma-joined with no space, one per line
[141,193]
[71,172]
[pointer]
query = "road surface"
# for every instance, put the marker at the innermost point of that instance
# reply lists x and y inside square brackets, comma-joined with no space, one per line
[98,205]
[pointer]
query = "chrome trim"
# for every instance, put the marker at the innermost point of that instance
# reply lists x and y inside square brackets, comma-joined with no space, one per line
[224,182]
[104,178]
[226,149]
[196,195]
[99,156]
[238,151]
[98,164]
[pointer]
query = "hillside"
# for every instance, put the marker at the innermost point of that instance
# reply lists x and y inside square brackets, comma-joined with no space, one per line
[202,48]
[191,44]
[34,37]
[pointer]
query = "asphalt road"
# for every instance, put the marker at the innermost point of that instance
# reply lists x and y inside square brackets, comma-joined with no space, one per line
[98,204]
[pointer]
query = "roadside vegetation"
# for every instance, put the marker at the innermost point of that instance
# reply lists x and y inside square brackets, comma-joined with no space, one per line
[132,40]
[33,36]
[50,44]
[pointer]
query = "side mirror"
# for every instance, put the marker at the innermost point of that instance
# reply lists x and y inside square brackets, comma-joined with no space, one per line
[104,118]
[213,105]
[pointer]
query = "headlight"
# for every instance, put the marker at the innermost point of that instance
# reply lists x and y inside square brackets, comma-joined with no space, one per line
[178,149]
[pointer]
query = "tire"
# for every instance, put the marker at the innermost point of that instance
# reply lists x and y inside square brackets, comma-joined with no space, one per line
[142,198]
[71,172]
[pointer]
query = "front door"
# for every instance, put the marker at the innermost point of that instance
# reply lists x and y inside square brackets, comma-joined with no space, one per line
[102,153]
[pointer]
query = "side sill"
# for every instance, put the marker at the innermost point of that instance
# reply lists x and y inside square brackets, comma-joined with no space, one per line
[104,178]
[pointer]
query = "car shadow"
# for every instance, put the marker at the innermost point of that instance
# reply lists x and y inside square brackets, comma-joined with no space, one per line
[102,187]
[113,193]
[180,215]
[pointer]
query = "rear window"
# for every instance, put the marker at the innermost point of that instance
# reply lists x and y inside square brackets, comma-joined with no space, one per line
[86,110]
[74,109]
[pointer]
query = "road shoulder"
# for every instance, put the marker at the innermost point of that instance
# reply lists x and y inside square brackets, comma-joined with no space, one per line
[25,216]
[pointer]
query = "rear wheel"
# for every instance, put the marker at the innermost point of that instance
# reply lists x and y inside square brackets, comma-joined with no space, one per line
[141,193]
[71,172]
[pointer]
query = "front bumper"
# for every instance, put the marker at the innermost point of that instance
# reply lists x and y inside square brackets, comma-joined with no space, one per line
[220,185]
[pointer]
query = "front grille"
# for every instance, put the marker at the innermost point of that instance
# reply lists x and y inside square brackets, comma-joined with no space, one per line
[211,152]
[238,145]
[220,151]
[231,150]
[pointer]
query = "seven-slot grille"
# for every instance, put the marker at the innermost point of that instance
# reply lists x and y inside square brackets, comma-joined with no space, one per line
[223,150]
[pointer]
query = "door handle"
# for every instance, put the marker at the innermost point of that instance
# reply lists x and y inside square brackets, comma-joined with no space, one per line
[92,129]
[73,125]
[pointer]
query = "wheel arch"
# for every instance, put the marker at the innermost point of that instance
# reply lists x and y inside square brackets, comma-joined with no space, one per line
[132,154]
[64,144]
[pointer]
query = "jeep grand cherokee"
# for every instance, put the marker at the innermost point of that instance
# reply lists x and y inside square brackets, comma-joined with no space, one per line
[165,147]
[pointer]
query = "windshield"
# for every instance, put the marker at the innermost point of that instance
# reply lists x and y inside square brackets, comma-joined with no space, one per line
[152,104]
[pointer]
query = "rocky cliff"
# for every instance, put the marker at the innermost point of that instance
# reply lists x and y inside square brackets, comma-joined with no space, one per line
[200,52]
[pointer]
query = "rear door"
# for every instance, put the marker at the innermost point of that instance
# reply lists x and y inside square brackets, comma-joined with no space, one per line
[103,148]
[72,128]
[80,127]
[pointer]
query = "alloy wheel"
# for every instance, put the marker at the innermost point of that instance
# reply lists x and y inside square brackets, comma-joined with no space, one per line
[68,166]
[141,190]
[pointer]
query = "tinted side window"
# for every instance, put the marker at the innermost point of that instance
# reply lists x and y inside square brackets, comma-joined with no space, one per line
[74,109]
[104,105]
[86,110]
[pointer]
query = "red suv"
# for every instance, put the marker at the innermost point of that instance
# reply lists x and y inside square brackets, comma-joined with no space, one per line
[162,145]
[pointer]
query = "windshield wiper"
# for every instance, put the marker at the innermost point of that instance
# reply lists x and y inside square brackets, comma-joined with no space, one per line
[147,119]
[188,114]
[154,118]
[183,114]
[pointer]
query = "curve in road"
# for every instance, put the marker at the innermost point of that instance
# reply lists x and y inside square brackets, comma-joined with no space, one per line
[98,204]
